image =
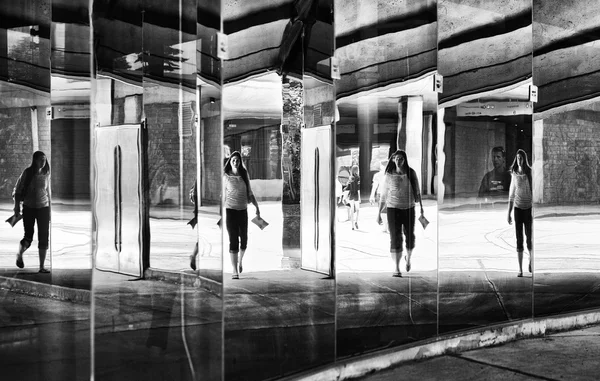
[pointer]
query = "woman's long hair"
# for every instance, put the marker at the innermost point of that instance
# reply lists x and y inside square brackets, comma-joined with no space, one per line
[391,165]
[526,166]
[391,168]
[241,170]
[354,172]
[45,169]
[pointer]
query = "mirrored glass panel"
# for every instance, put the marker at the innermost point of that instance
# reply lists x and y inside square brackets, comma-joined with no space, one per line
[145,163]
[278,285]
[169,107]
[384,175]
[565,145]
[70,144]
[207,255]
[484,197]
[35,318]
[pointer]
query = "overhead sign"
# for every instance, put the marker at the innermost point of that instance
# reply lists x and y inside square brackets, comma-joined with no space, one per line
[495,108]
[335,68]
[533,93]
[438,83]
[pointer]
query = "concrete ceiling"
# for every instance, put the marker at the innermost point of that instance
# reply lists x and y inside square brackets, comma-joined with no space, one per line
[566,54]
[483,46]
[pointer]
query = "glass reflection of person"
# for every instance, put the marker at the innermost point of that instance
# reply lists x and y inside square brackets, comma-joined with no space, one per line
[497,181]
[400,193]
[353,188]
[33,189]
[520,196]
[193,222]
[375,196]
[238,194]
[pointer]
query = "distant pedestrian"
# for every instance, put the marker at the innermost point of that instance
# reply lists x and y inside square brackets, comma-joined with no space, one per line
[353,188]
[193,222]
[238,194]
[399,194]
[520,197]
[33,190]
[375,197]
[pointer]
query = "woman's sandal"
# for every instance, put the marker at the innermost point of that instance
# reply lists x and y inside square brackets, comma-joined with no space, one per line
[397,274]
[20,263]
[44,271]
[241,268]
[192,262]
[520,275]
[235,276]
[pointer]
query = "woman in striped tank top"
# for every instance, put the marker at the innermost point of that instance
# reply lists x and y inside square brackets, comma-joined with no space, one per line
[400,192]
[519,197]
[238,194]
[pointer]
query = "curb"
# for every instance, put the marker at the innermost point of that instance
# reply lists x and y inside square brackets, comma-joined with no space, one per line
[45,290]
[190,280]
[484,337]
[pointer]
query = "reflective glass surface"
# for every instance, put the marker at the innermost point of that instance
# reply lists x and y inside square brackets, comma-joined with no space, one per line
[565,149]
[277,290]
[485,116]
[141,108]
[386,104]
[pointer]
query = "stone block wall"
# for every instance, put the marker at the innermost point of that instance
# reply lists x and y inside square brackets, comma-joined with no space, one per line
[571,158]
[164,155]
[213,166]
[16,145]
[473,158]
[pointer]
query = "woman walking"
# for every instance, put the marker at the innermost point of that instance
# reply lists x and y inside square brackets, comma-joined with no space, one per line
[353,188]
[238,195]
[399,194]
[519,197]
[33,190]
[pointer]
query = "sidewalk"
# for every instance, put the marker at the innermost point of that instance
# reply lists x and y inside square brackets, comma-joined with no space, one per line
[569,355]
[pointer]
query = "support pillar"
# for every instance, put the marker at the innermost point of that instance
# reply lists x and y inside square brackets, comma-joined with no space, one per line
[441,157]
[414,133]
[366,117]
[410,131]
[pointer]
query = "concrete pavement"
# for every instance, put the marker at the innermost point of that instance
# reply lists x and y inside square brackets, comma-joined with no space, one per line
[476,275]
[569,355]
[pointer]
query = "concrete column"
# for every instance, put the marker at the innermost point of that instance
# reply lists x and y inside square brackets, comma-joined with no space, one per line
[35,136]
[400,130]
[414,132]
[537,165]
[366,117]
[441,158]
[428,160]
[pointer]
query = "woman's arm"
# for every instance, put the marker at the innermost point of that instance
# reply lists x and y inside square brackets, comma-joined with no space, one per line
[49,192]
[253,201]
[252,198]
[511,199]
[18,195]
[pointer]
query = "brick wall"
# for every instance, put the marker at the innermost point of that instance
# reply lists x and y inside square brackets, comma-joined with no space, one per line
[571,158]
[16,146]
[164,155]
[213,166]
[473,146]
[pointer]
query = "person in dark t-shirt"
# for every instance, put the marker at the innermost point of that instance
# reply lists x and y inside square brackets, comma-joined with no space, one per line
[497,181]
